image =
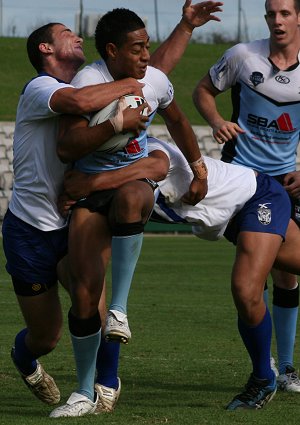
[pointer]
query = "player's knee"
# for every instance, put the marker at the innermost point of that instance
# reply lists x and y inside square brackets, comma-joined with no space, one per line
[46,343]
[134,196]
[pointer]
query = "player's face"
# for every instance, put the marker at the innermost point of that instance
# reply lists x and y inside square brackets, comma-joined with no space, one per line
[132,58]
[283,21]
[67,45]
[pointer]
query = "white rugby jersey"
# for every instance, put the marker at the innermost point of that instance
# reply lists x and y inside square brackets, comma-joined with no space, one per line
[38,172]
[229,188]
[158,92]
[266,104]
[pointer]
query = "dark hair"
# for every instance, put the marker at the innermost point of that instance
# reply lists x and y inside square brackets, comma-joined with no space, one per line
[40,35]
[113,28]
[296,5]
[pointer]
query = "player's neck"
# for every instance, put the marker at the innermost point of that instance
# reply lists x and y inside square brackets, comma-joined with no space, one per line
[63,73]
[284,57]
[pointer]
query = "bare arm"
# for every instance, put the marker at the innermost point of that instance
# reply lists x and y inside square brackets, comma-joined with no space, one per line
[78,185]
[92,98]
[168,54]
[76,139]
[204,99]
[291,183]
[184,137]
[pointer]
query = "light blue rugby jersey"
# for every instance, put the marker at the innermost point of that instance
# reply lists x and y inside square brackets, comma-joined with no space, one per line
[266,104]
[158,92]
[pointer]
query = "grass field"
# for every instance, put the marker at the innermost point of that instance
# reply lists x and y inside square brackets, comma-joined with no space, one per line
[16,70]
[185,361]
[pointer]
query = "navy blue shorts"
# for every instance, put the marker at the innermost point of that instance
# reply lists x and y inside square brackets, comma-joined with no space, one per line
[32,255]
[268,211]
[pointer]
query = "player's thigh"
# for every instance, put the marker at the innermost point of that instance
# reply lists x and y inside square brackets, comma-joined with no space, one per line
[132,202]
[63,272]
[102,303]
[89,246]
[288,258]
[283,279]
[43,315]
[255,255]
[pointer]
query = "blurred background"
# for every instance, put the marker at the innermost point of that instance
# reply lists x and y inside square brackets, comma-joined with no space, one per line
[242,20]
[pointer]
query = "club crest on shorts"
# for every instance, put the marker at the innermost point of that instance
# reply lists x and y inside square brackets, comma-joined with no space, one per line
[264,214]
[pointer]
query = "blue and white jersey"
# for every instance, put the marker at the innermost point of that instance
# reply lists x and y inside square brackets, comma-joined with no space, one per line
[158,92]
[229,188]
[38,172]
[266,104]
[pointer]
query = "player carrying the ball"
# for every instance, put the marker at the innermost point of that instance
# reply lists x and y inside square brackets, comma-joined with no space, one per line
[112,222]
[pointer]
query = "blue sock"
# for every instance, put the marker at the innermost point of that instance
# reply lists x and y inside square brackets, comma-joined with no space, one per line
[107,364]
[285,315]
[85,353]
[285,323]
[266,294]
[266,300]
[257,341]
[24,359]
[125,253]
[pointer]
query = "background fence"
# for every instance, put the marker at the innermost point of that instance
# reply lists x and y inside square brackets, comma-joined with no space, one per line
[206,142]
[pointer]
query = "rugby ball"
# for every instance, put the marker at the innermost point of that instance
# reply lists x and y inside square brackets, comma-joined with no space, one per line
[119,141]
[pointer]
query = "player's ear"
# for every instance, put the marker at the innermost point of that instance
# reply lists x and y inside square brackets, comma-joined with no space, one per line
[45,48]
[111,50]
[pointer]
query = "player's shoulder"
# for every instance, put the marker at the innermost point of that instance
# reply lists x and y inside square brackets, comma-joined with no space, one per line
[244,50]
[93,73]
[157,82]
[155,74]
[42,82]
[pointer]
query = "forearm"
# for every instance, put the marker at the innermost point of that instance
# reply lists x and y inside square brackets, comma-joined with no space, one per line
[181,131]
[74,143]
[144,168]
[78,185]
[185,139]
[92,98]
[171,50]
[205,103]
[168,54]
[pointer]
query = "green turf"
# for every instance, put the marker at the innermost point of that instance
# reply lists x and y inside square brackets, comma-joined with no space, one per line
[16,70]
[186,359]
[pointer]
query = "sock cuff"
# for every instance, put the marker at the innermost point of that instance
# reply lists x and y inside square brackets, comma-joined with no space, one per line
[287,298]
[84,327]
[128,229]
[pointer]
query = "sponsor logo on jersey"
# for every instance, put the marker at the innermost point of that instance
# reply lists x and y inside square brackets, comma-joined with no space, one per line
[282,79]
[282,123]
[264,214]
[256,78]
[132,146]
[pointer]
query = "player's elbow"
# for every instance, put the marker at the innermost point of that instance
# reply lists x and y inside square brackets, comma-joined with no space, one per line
[196,96]
[63,154]
[82,105]
[160,170]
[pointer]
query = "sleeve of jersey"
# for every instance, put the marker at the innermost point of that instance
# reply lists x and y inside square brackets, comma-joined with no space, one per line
[37,95]
[162,86]
[88,76]
[224,72]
